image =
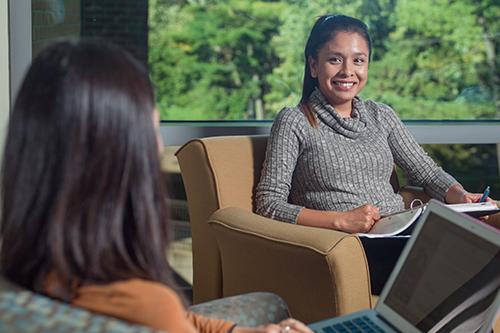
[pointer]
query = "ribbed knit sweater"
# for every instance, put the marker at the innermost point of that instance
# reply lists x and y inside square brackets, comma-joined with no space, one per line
[343,163]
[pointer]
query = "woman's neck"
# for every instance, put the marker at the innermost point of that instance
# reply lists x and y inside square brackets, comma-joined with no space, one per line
[344,110]
[342,107]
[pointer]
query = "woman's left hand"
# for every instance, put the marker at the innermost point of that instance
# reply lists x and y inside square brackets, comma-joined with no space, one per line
[457,194]
[474,197]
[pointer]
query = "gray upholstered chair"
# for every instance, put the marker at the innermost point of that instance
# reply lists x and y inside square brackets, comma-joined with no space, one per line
[24,311]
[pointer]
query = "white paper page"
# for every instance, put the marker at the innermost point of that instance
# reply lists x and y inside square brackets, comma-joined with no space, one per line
[473,207]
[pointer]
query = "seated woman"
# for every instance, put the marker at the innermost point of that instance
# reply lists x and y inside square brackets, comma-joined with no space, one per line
[329,159]
[84,217]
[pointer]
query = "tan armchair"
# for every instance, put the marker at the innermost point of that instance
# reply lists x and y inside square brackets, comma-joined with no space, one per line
[319,273]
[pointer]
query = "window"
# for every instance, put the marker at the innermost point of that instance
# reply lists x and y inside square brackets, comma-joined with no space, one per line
[242,60]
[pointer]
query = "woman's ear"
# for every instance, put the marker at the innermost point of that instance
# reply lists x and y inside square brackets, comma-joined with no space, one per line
[313,66]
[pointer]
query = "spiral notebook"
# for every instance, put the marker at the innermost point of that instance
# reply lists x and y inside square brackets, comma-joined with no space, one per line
[402,223]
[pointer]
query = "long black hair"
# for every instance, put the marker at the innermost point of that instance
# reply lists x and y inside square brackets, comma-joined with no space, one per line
[82,191]
[325,28]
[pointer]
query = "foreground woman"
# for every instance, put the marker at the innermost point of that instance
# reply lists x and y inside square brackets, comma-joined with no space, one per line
[84,218]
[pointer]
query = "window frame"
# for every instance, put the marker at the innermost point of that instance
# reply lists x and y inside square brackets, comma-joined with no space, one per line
[425,131]
[20,38]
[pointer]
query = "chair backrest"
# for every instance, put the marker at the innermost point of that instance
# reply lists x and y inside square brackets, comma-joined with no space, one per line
[219,172]
[24,311]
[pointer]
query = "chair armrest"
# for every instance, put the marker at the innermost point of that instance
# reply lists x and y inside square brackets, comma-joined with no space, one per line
[252,309]
[410,193]
[319,273]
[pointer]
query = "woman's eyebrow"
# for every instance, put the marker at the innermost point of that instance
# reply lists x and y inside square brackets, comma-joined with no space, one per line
[336,53]
[361,54]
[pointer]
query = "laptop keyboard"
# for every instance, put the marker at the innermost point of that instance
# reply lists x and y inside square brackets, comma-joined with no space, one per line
[361,324]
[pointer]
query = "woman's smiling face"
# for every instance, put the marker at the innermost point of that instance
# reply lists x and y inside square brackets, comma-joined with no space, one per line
[341,68]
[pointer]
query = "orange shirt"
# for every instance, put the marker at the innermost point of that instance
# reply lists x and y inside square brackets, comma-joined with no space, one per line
[146,303]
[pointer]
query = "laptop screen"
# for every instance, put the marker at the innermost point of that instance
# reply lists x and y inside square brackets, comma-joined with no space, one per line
[449,279]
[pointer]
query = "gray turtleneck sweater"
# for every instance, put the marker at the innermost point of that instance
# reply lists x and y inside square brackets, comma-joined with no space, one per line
[343,163]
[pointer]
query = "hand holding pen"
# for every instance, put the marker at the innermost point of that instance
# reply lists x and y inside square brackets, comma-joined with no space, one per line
[485,195]
[457,194]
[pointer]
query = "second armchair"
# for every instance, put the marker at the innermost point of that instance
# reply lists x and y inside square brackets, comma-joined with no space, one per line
[319,273]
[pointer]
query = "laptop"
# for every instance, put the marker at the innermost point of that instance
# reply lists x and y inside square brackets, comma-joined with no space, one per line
[446,280]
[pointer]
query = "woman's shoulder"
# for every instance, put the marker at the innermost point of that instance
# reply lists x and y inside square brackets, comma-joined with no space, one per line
[290,120]
[290,115]
[134,283]
[145,286]
[379,111]
[378,107]
[136,300]
[134,292]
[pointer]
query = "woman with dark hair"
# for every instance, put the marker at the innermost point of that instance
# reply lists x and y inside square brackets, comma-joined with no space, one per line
[329,160]
[84,217]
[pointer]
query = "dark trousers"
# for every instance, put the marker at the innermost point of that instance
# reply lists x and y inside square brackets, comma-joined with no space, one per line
[382,255]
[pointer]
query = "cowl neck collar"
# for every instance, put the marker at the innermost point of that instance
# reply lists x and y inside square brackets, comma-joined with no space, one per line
[349,127]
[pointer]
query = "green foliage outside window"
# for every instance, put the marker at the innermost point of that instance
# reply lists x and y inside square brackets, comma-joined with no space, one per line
[229,59]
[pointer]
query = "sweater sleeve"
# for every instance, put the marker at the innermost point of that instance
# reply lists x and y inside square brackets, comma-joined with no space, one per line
[209,325]
[410,156]
[283,149]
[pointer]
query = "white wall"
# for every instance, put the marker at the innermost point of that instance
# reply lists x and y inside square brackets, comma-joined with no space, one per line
[4,70]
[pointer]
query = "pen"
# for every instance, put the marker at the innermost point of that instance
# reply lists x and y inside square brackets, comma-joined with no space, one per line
[485,194]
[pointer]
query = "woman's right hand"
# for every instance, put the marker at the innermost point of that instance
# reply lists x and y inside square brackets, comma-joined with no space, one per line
[360,219]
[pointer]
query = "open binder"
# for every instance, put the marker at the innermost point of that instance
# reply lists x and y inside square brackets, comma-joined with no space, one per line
[402,222]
